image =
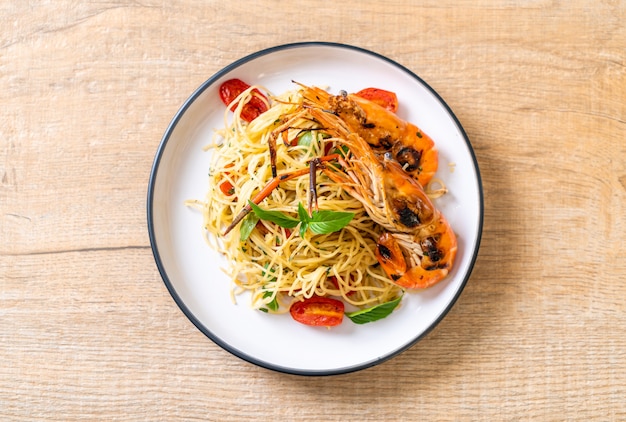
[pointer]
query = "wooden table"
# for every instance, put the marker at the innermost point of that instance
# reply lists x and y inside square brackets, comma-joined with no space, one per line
[88,330]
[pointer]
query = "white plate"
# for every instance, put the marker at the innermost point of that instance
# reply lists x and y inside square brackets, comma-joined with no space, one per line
[191,269]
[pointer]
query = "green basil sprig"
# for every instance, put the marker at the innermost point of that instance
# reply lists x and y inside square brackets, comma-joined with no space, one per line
[319,222]
[323,221]
[282,219]
[374,313]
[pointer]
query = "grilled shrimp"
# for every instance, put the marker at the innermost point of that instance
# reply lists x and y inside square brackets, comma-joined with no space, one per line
[418,247]
[382,129]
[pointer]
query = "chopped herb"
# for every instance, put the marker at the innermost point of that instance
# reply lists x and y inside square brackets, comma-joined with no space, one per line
[273,305]
[267,272]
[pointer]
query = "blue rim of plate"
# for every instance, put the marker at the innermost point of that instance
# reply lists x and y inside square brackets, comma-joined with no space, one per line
[151,228]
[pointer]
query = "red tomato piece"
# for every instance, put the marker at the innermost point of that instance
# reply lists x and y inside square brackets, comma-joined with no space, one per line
[318,311]
[227,188]
[386,99]
[230,89]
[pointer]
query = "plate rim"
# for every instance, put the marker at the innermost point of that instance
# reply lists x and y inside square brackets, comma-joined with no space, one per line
[151,225]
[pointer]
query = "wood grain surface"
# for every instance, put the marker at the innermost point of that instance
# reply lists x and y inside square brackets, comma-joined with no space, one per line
[88,330]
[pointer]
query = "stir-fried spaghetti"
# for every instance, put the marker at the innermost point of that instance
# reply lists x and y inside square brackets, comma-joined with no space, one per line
[277,265]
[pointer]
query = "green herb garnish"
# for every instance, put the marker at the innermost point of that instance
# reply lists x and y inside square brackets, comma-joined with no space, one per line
[374,313]
[247,225]
[320,222]
[304,216]
[282,219]
[324,221]
[273,305]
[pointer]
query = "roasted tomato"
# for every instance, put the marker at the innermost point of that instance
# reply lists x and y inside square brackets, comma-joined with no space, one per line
[227,188]
[386,99]
[318,311]
[230,89]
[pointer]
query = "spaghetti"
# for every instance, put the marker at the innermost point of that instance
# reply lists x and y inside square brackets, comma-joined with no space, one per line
[280,266]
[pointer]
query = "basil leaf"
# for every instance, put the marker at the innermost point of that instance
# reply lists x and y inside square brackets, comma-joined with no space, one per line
[324,222]
[304,219]
[321,222]
[283,220]
[374,313]
[247,225]
[303,213]
[303,227]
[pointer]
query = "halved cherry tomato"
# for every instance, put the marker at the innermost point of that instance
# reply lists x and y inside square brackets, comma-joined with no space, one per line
[230,89]
[318,311]
[386,99]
